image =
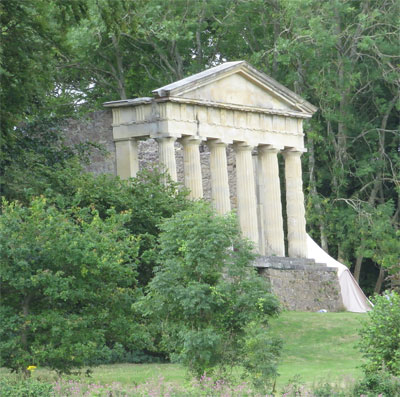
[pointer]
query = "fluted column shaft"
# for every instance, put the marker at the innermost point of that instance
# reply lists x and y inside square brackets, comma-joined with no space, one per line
[127,158]
[246,192]
[297,237]
[167,155]
[219,176]
[192,166]
[270,197]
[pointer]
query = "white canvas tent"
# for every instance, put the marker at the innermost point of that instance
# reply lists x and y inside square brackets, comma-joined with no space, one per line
[353,297]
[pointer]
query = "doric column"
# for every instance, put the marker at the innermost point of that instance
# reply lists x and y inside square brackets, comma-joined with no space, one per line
[167,155]
[270,198]
[246,192]
[297,237]
[219,176]
[192,166]
[126,153]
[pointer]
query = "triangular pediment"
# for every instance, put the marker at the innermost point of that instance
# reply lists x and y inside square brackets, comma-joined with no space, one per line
[239,84]
[236,89]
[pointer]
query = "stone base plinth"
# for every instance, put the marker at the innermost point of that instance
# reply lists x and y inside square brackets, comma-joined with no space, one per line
[302,284]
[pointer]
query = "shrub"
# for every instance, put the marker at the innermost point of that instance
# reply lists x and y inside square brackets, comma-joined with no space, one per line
[24,388]
[380,335]
[68,280]
[205,292]
[380,383]
[119,354]
[260,354]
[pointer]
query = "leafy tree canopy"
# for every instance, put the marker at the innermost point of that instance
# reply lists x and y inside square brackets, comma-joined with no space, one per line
[207,295]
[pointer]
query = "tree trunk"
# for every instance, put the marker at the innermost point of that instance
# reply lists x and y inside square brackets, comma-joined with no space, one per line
[24,330]
[379,282]
[314,194]
[120,69]
[324,239]
[340,255]
[277,32]
[357,268]
[198,35]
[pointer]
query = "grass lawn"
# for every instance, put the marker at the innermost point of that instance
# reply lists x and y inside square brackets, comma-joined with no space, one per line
[316,346]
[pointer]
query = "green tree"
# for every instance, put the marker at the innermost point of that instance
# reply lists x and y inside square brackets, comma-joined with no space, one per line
[38,146]
[68,280]
[56,171]
[380,341]
[31,37]
[342,57]
[147,197]
[206,294]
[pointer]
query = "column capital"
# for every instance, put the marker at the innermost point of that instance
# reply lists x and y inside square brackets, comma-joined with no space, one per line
[269,149]
[165,138]
[191,139]
[293,152]
[242,146]
[217,142]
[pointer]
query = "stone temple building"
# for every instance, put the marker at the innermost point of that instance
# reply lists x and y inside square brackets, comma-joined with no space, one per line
[231,104]
[234,120]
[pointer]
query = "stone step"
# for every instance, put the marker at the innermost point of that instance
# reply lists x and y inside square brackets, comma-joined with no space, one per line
[280,262]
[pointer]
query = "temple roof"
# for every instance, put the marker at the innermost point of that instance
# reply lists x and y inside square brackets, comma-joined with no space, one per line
[210,76]
[231,83]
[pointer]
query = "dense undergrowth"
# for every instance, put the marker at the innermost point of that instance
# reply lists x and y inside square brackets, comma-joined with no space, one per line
[380,384]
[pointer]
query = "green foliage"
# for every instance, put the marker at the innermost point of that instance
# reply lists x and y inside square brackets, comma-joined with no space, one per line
[380,383]
[382,236]
[205,292]
[119,354]
[25,388]
[260,355]
[32,39]
[380,336]
[147,197]
[68,279]
[56,171]
[38,146]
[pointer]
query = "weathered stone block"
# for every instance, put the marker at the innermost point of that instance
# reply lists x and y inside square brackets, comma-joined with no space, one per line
[301,284]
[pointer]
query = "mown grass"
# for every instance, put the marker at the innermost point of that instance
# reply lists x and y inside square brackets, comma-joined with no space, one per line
[316,346]
[319,346]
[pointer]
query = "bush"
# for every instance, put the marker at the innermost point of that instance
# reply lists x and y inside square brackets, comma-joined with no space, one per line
[380,335]
[260,356]
[118,354]
[205,293]
[68,281]
[380,383]
[24,388]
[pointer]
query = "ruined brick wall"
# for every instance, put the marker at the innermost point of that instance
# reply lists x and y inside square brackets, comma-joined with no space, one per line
[94,127]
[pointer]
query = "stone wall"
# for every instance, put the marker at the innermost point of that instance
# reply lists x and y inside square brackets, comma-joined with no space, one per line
[94,127]
[301,284]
